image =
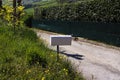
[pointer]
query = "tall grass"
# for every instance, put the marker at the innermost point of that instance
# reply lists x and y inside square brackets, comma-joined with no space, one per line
[24,57]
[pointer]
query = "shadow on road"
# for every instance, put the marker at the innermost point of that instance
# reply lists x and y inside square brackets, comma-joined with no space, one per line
[76,56]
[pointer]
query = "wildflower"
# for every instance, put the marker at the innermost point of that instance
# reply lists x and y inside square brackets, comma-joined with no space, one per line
[7,17]
[43,78]
[61,57]
[51,55]
[66,71]
[47,71]
[9,11]
[37,62]
[22,14]
[20,8]
[64,56]
[28,71]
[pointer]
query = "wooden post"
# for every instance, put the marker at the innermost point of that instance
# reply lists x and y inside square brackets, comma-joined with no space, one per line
[14,13]
[19,4]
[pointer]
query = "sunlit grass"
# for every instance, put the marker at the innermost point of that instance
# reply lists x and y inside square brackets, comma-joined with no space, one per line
[29,11]
[24,57]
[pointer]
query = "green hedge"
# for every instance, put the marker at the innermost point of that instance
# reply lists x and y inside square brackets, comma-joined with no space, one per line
[94,11]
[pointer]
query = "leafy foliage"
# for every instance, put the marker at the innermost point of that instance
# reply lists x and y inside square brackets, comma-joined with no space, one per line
[6,14]
[95,11]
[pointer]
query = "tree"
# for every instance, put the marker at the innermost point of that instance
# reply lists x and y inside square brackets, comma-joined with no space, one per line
[17,11]
[19,4]
[12,15]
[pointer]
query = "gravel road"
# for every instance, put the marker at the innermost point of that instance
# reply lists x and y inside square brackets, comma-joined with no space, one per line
[95,62]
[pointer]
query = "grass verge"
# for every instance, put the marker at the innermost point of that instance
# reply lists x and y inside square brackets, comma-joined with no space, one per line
[24,57]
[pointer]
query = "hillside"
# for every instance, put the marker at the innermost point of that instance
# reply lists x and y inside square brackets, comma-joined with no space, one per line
[29,6]
[23,56]
[30,1]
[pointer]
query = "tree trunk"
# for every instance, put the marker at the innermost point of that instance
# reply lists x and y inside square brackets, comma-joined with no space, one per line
[14,13]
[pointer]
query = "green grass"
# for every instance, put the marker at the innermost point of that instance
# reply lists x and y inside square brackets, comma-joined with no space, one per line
[46,3]
[29,10]
[41,3]
[24,57]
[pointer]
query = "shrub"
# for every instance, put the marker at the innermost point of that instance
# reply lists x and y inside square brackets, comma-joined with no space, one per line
[93,11]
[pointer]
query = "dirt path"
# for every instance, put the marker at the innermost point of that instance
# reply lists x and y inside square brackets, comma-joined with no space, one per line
[94,61]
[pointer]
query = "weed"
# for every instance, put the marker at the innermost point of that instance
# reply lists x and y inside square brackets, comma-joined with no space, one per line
[24,57]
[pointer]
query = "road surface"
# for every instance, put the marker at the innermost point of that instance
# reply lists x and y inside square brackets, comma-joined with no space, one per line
[95,62]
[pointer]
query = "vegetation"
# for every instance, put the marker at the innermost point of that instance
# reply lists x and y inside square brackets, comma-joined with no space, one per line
[24,56]
[30,7]
[30,1]
[92,19]
[12,15]
[93,11]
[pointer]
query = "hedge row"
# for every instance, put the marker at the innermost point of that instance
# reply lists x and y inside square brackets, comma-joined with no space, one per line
[95,11]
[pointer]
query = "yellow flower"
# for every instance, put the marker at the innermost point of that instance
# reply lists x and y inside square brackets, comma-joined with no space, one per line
[61,57]
[43,78]
[8,8]
[51,55]
[66,73]
[22,14]
[47,71]
[10,11]
[7,14]
[7,17]
[64,69]
[20,8]
[28,71]
[64,56]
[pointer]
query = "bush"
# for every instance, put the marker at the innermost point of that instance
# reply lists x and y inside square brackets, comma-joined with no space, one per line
[28,20]
[93,11]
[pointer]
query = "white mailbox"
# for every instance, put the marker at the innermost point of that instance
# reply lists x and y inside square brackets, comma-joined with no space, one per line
[60,40]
